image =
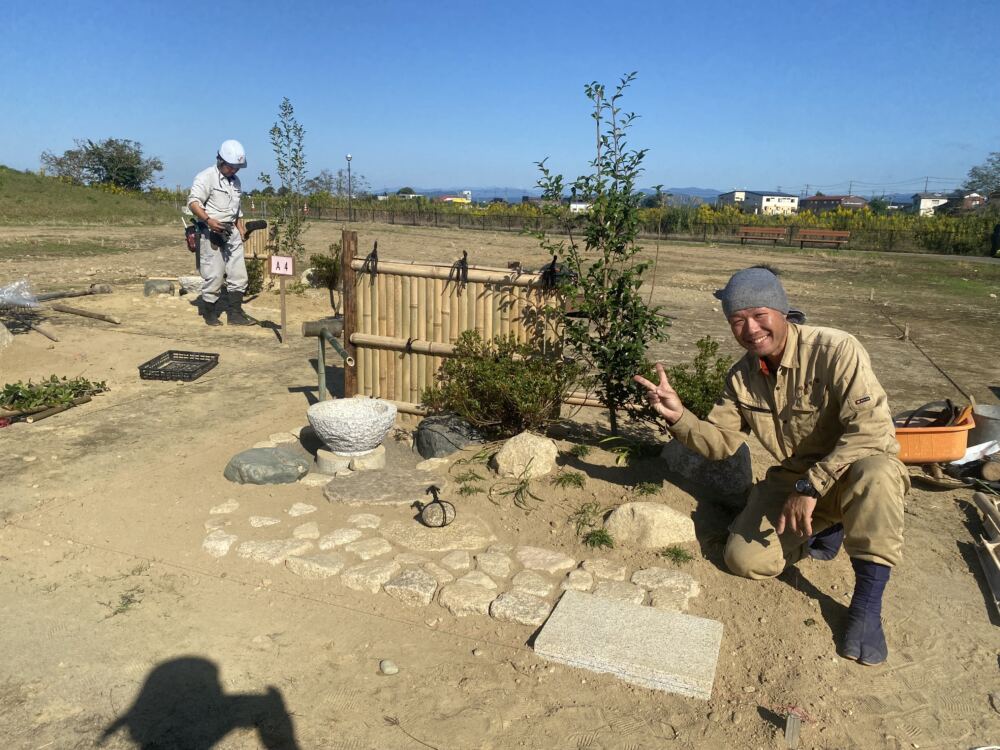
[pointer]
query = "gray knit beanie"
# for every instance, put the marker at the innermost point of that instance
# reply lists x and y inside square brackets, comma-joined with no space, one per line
[753,287]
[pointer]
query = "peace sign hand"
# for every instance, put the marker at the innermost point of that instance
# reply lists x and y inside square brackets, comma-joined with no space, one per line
[662,397]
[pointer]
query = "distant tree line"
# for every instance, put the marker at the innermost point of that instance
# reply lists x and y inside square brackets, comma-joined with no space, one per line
[113,161]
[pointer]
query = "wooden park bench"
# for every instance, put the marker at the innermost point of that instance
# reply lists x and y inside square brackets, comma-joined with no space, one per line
[762,233]
[833,237]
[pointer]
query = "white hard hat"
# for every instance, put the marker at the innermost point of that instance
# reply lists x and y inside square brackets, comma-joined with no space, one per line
[232,152]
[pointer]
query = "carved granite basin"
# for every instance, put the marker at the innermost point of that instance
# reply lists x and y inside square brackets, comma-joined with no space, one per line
[352,426]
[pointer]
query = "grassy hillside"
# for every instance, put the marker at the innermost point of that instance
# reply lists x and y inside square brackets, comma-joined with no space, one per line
[32,199]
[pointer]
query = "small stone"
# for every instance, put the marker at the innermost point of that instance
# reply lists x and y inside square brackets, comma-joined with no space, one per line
[535,558]
[530,582]
[620,591]
[413,587]
[339,538]
[366,549]
[503,549]
[264,444]
[306,531]
[325,565]
[457,560]
[477,652]
[410,558]
[670,589]
[301,509]
[577,580]
[328,462]
[437,515]
[494,564]
[433,464]
[313,479]
[388,667]
[365,520]
[463,599]
[369,576]
[29,459]
[260,521]
[441,575]
[157,286]
[274,552]
[605,569]
[230,506]
[519,607]
[218,543]
[478,578]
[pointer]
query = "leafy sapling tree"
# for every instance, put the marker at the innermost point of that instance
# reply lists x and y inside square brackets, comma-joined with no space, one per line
[287,137]
[610,325]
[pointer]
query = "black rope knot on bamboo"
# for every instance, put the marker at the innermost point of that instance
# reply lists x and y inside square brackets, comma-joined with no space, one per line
[409,345]
[371,263]
[459,272]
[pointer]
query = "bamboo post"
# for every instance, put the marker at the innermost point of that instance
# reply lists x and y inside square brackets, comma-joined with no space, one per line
[87,313]
[349,247]
[462,319]
[365,295]
[396,330]
[487,312]
[504,302]
[447,303]
[440,332]
[411,359]
[495,311]
[404,333]
[480,315]
[422,302]
[383,303]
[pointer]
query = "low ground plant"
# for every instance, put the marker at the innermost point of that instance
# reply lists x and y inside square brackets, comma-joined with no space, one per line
[500,386]
[598,538]
[676,554]
[53,391]
[645,488]
[568,479]
[587,516]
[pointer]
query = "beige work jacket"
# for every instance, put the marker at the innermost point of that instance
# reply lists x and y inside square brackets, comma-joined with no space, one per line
[820,412]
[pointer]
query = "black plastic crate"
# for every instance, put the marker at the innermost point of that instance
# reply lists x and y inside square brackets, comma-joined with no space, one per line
[176,365]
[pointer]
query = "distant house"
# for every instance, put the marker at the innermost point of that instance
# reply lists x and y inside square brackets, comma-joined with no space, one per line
[760,201]
[965,200]
[924,204]
[818,204]
[465,197]
[579,205]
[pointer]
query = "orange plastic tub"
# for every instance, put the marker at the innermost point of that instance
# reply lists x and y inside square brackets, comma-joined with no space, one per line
[930,445]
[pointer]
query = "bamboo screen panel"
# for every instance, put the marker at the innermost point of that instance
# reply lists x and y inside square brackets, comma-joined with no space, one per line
[408,316]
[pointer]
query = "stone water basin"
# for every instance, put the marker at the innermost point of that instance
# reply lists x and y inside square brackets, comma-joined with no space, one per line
[352,426]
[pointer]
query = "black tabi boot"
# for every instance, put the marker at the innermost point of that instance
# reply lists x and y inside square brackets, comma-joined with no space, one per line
[826,544]
[864,639]
[211,312]
[235,315]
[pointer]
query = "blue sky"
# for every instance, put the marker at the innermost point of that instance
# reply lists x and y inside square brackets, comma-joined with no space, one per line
[731,95]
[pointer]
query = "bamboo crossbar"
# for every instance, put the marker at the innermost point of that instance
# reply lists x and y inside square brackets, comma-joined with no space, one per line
[446,273]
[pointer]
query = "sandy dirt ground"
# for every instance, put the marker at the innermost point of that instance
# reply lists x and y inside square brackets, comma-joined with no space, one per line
[118,628]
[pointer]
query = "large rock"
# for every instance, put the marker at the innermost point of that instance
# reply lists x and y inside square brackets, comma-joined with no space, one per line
[191,284]
[527,456]
[267,466]
[649,526]
[731,477]
[444,434]
[157,286]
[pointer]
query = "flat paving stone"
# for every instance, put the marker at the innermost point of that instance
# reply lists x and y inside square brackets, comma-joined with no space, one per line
[259,522]
[466,533]
[669,589]
[577,580]
[414,587]
[532,582]
[494,564]
[653,648]
[366,549]
[520,607]
[393,485]
[369,576]
[301,509]
[306,531]
[410,558]
[479,578]
[621,591]
[273,552]
[457,560]
[230,506]
[315,480]
[441,575]
[318,566]
[214,524]
[339,537]
[218,543]
[365,520]
[463,599]
[536,558]
[606,569]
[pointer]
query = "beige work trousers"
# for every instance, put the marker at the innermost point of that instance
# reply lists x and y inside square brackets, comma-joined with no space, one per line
[867,499]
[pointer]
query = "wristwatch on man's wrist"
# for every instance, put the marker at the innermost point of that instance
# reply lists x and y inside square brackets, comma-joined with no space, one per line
[804,487]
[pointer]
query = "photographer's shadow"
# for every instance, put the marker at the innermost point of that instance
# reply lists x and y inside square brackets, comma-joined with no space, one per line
[182,705]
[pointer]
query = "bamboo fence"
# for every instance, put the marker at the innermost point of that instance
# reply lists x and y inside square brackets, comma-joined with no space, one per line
[403,320]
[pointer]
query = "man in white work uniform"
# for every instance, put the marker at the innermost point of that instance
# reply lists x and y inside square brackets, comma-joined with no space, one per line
[215,202]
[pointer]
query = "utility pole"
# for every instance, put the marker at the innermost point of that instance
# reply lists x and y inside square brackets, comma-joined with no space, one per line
[850,187]
[925,183]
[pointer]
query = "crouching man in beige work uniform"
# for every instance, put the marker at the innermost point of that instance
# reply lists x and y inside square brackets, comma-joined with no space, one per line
[215,201]
[811,398]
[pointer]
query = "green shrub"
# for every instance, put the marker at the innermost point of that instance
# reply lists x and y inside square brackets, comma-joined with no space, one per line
[255,275]
[500,386]
[326,268]
[700,384]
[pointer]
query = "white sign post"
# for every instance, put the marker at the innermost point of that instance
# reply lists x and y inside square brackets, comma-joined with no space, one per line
[282,266]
